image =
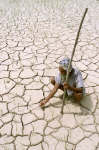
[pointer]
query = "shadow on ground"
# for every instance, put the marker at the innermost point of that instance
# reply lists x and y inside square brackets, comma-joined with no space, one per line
[85,107]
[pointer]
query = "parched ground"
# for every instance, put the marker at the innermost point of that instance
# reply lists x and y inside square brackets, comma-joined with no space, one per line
[34,36]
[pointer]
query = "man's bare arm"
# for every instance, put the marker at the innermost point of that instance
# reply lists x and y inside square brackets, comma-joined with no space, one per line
[51,94]
[78,90]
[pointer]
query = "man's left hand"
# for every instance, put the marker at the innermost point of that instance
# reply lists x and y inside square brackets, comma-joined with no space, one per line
[66,86]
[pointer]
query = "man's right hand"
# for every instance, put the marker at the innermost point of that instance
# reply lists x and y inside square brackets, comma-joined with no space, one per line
[43,102]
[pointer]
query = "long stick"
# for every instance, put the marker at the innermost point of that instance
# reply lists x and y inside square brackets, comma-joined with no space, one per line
[68,70]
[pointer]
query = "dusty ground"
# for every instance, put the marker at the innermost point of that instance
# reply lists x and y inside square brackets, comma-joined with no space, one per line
[34,37]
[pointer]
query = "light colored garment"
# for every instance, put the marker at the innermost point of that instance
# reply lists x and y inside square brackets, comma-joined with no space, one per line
[75,80]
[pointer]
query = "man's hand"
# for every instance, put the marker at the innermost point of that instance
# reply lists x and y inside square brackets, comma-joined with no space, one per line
[43,102]
[66,86]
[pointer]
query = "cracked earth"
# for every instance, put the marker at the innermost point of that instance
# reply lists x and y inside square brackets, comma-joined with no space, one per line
[34,37]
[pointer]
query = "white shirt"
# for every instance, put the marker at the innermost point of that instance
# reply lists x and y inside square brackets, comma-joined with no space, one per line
[75,80]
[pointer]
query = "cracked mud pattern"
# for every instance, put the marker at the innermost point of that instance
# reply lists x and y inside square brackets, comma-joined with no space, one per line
[34,37]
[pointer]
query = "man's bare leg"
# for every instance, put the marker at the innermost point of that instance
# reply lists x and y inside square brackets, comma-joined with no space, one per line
[78,97]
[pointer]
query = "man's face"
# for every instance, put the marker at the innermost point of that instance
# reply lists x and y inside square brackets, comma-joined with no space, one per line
[62,71]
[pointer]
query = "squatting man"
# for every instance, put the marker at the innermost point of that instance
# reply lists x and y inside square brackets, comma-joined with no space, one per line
[74,87]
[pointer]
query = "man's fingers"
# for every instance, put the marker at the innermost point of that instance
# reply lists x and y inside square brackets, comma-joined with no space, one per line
[42,103]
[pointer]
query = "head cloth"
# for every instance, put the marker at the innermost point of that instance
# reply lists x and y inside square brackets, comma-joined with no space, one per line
[64,64]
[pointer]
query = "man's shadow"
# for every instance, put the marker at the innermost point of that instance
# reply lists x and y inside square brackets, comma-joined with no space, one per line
[85,105]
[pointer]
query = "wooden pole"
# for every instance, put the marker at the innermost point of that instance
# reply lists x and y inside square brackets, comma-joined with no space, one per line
[68,70]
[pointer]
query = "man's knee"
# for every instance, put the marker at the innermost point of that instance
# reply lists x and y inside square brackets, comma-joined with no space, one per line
[53,80]
[78,96]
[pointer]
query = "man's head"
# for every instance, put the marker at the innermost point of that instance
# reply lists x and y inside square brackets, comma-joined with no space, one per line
[63,65]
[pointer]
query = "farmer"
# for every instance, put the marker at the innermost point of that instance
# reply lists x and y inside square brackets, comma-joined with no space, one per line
[74,87]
